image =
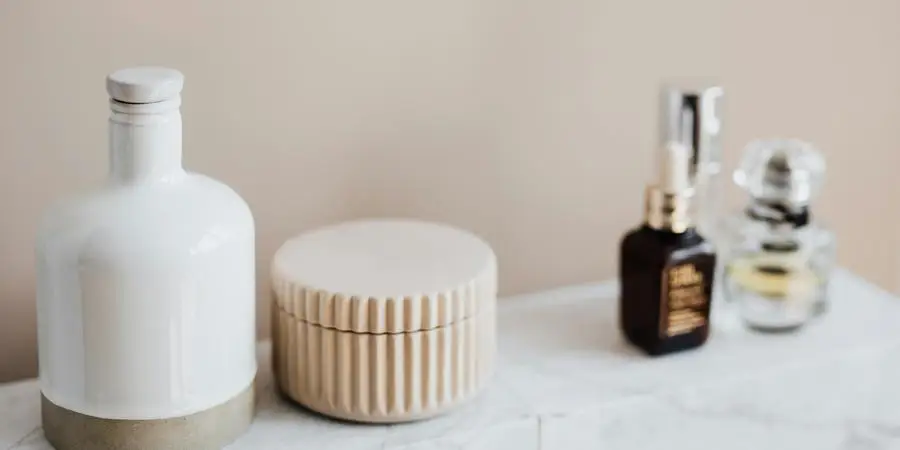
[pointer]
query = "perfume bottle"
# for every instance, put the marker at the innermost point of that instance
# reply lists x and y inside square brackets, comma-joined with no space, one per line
[666,267]
[777,259]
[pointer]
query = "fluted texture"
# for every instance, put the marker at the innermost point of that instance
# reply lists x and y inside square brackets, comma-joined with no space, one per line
[383,377]
[405,332]
[362,314]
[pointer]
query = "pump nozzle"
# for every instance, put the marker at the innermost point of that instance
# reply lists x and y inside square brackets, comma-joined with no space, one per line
[674,176]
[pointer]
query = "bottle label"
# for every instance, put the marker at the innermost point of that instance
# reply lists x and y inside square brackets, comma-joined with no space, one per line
[684,304]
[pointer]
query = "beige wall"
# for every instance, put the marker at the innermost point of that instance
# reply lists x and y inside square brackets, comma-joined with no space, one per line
[530,122]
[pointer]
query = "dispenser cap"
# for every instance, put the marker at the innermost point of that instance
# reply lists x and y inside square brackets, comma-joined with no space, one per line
[147,84]
[692,116]
[786,171]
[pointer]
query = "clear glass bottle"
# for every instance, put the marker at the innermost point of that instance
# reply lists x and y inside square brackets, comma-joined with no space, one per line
[777,261]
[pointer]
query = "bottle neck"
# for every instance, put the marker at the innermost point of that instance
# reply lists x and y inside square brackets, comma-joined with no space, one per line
[666,211]
[779,214]
[145,142]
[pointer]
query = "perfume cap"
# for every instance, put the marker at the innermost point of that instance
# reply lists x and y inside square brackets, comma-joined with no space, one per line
[692,116]
[783,171]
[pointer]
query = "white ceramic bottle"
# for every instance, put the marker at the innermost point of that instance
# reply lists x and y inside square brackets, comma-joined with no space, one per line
[146,291]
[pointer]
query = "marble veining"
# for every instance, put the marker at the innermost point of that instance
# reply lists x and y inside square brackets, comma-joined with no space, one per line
[567,381]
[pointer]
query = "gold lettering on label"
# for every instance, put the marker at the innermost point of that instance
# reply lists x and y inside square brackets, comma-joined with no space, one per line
[685,300]
[685,275]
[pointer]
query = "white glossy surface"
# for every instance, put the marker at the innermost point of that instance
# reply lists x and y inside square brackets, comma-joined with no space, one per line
[567,382]
[144,84]
[146,286]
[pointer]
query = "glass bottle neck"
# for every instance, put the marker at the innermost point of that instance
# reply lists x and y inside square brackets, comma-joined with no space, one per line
[779,214]
[145,142]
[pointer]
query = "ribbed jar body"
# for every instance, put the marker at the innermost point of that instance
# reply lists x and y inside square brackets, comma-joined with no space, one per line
[384,320]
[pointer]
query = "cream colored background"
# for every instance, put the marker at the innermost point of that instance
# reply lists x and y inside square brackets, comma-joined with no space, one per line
[530,122]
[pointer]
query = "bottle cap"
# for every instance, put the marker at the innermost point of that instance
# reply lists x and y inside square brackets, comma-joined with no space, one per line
[141,85]
[692,116]
[789,172]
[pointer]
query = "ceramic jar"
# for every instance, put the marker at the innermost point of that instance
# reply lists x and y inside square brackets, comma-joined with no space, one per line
[146,291]
[384,320]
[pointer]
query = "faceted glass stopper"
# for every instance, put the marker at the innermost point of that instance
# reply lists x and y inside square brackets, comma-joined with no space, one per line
[789,172]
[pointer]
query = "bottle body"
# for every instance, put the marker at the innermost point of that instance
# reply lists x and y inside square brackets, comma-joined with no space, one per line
[146,286]
[666,281]
[146,300]
[777,275]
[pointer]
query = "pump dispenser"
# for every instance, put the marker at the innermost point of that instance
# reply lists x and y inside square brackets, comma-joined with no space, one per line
[692,115]
[666,267]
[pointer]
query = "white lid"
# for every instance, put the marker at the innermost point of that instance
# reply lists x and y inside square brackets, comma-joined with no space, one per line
[144,84]
[384,275]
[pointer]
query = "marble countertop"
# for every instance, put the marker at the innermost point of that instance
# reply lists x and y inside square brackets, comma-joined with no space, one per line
[567,381]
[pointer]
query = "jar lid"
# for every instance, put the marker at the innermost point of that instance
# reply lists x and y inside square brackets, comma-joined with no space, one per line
[384,276]
[787,172]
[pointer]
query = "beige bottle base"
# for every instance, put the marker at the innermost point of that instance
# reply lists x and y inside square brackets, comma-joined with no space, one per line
[210,429]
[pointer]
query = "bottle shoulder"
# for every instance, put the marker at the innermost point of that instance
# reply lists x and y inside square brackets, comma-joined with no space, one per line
[632,236]
[224,196]
[645,238]
[196,213]
[654,249]
[640,243]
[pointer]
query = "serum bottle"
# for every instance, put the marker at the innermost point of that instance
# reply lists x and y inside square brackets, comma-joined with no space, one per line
[666,267]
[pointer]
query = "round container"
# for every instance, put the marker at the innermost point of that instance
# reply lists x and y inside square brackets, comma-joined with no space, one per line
[383,320]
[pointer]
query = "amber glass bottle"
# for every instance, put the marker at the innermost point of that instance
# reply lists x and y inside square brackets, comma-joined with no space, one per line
[666,268]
